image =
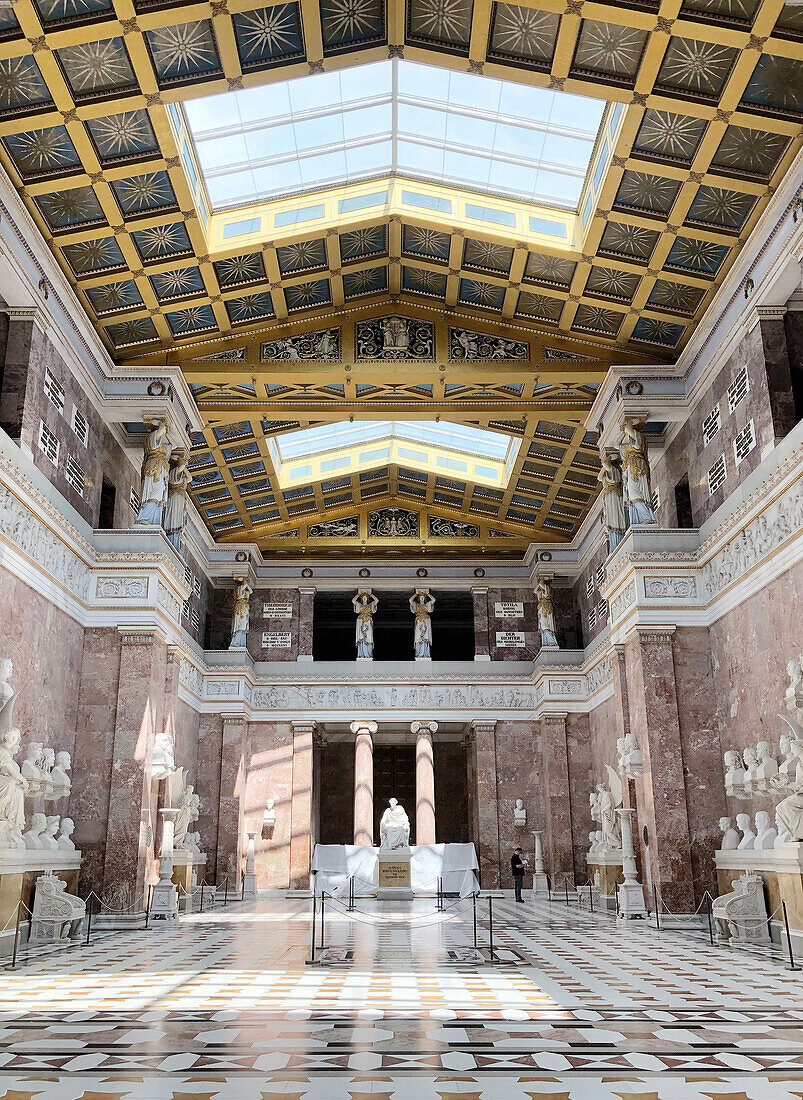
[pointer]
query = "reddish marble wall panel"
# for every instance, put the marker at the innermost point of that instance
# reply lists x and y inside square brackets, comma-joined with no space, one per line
[749,650]
[210,735]
[518,775]
[337,793]
[269,774]
[260,623]
[451,798]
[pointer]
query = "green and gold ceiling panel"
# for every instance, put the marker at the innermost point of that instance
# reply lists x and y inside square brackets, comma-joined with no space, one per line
[708,105]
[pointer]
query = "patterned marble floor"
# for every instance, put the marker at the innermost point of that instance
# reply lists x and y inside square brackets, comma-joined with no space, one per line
[226,1006]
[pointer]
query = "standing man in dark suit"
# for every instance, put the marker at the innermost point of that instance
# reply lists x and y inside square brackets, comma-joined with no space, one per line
[518,866]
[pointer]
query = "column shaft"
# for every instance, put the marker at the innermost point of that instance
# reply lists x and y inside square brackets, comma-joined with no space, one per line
[424,788]
[655,721]
[555,761]
[232,787]
[364,787]
[482,637]
[301,806]
[487,814]
[131,829]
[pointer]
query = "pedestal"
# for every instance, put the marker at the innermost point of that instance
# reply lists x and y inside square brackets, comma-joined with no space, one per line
[250,878]
[631,894]
[19,870]
[393,875]
[164,901]
[540,878]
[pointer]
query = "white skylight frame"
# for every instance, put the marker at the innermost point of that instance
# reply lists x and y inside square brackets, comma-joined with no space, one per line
[397,118]
[471,454]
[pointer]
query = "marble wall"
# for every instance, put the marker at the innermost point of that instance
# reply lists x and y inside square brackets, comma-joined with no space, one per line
[269,774]
[769,403]
[29,353]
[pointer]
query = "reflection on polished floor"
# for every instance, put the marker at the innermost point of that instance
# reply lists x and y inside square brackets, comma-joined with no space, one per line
[225,1005]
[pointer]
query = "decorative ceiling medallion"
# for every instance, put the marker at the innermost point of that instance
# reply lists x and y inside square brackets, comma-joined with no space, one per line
[324,344]
[467,345]
[394,337]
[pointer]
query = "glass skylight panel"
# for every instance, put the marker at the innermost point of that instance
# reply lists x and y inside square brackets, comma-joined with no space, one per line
[394,117]
[335,437]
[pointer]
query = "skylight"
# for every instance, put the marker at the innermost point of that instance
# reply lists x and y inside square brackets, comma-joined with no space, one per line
[455,450]
[394,118]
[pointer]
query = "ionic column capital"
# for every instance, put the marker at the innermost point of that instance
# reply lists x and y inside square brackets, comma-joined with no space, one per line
[423,728]
[360,725]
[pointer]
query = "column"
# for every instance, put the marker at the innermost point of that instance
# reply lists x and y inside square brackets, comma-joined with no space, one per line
[555,763]
[631,896]
[424,782]
[132,825]
[482,638]
[301,806]
[306,617]
[364,782]
[487,814]
[232,787]
[655,721]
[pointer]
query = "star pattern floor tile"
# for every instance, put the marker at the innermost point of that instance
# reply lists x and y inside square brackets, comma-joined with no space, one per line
[572,1005]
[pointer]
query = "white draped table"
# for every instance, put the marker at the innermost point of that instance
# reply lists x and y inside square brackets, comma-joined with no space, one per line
[335,864]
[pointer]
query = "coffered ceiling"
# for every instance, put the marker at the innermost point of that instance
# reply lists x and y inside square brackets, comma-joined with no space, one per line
[706,104]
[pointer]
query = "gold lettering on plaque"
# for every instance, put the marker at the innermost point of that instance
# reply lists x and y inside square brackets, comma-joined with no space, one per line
[394,874]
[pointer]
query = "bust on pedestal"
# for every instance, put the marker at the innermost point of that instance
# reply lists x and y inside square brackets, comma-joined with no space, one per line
[250,878]
[394,853]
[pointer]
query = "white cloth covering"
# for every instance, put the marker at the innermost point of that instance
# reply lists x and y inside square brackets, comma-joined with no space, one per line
[456,864]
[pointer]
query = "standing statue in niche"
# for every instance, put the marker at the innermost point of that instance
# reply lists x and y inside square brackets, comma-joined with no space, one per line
[365,604]
[394,828]
[242,615]
[155,468]
[636,474]
[614,516]
[13,784]
[606,806]
[178,479]
[546,613]
[421,605]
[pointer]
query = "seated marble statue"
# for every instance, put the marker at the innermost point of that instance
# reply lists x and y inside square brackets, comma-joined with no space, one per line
[394,828]
[789,815]
[10,836]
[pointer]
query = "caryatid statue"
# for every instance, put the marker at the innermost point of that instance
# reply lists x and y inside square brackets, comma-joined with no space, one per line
[155,467]
[394,828]
[178,479]
[365,604]
[241,616]
[546,612]
[421,605]
[636,473]
[614,516]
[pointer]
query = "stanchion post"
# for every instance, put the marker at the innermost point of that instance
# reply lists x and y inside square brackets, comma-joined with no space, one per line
[314,922]
[225,891]
[591,896]
[710,924]
[792,964]
[491,926]
[616,895]
[16,937]
[474,912]
[323,919]
[566,888]
[655,903]
[88,919]
[201,906]
[148,907]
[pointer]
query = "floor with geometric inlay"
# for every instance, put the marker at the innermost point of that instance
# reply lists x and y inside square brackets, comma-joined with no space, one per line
[575,1005]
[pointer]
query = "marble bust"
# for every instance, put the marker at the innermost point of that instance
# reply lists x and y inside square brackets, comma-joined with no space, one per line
[163,761]
[748,840]
[765,834]
[394,828]
[33,837]
[64,840]
[519,814]
[48,838]
[31,769]
[750,758]
[730,838]
[767,766]
[734,774]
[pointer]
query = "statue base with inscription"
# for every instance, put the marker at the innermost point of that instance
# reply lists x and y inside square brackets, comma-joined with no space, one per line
[339,869]
[393,874]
